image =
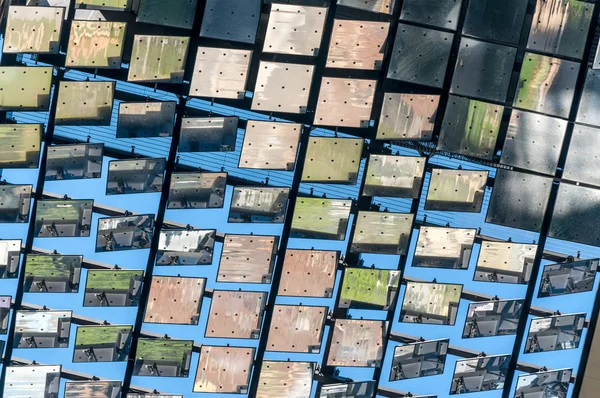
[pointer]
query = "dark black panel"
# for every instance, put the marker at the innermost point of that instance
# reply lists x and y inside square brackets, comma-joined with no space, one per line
[496,20]
[576,215]
[235,20]
[436,13]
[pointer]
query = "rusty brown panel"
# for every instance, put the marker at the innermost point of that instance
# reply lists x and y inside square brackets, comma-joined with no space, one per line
[247,258]
[270,145]
[220,73]
[296,329]
[308,273]
[85,103]
[96,44]
[345,102]
[407,117]
[357,44]
[175,300]
[224,369]
[235,314]
[285,379]
[24,88]
[357,343]
[158,59]
[33,30]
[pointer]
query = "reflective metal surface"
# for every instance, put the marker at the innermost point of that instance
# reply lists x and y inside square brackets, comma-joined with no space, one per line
[568,278]
[87,389]
[357,343]
[197,190]
[85,103]
[15,201]
[576,215]
[364,389]
[297,328]
[135,176]
[545,384]
[52,273]
[42,329]
[263,204]
[185,247]
[33,30]
[96,44]
[113,288]
[145,119]
[444,247]
[321,218]
[373,289]
[235,314]
[496,20]
[394,176]
[505,262]
[357,44]
[407,117]
[163,357]
[125,233]
[224,370]
[430,303]
[421,359]
[480,374]
[220,73]
[208,134]
[116,5]
[247,258]
[285,379]
[158,59]
[308,273]
[10,254]
[282,87]
[25,88]
[561,332]
[235,20]
[102,343]
[270,145]
[32,381]
[345,102]
[590,100]
[177,13]
[436,13]
[63,218]
[492,318]
[175,300]
[73,162]
[332,160]
[380,6]
[456,190]
[582,163]
[382,232]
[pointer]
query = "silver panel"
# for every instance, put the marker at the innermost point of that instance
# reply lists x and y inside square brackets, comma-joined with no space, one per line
[256,205]
[42,329]
[382,232]
[576,216]
[282,87]
[505,262]
[427,358]
[590,100]
[197,190]
[560,27]
[125,233]
[285,379]
[357,44]
[15,201]
[483,70]
[135,176]
[185,247]
[270,145]
[407,117]
[546,85]
[553,383]
[345,102]
[444,248]
[394,176]
[582,163]
[496,20]
[234,20]
[208,134]
[480,374]
[436,13]
[93,389]
[73,162]
[32,381]
[5,302]
[66,4]
[63,218]
[533,142]
[492,318]
[430,303]
[380,6]
[363,389]
[554,333]
[420,55]
[456,190]
[146,119]
[519,200]
[568,278]
[10,253]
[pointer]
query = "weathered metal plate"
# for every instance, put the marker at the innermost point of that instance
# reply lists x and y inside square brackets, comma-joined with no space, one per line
[407,117]
[125,233]
[15,201]
[224,370]
[538,383]
[361,389]
[270,145]
[33,30]
[496,20]
[420,55]
[297,328]
[426,358]
[5,303]
[436,13]
[197,190]
[357,343]
[247,258]
[10,253]
[96,44]
[42,329]
[562,332]
[63,218]
[66,4]
[382,232]
[220,73]
[24,88]
[163,357]
[371,289]
[52,273]
[135,176]
[263,204]
[235,314]
[430,303]
[332,160]
[282,87]
[492,318]
[470,127]
[519,200]
[505,262]
[546,85]
[102,343]
[483,70]
[175,300]
[480,374]
[308,273]
[113,288]
[357,44]
[321,218]
[146,119]
[178,13]
[158,59]
[582,163]
[208,134]
[185,247]
[117,5]
[85,103]
[456,190]
[345,102]
[444,247]
[568,278]
[295,29]
[74,162]
[590,100]
[93,389]
[32,381]
[394,176]
[576,215]
[233,20]
[285,379]
[533,142]
[560,27]
[380,6]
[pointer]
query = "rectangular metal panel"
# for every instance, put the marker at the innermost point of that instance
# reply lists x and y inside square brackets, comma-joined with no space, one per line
[96,44]
[175,300]
[5,303]
[224,370]
[63,218]
[321,218]
[436,13]
[74,162]
[270,145]
[247,258]
[444,247]
[158,59]
[113,288]
[345,102]
[208,134]
[426,358]
[568,278]
[285,379]
[33,30]
[296,328]
[492,318]
[332,160]
[66,4]
[561,332]
[263,204]
[546,85]
[590,100]
[135,176]
[382,232]
[560,27]
[407,117]
[197,190]
[363,389]
[163,357]
[420,55]
[85,103]
[117,5]
[372,289]
[379,6]
[102,343]
[430,303]
[15,201]
[394,176]
[53,273]
[357,343]
[357,44]
[125,233]
[220,73]
[42,329]
[234,20]
[483,70]
[538,384]
[235,314]
[519,200]
[10,254]
[32,381]
[496,20]
[24,88]
[146,119]
[185,247]
[93,389]
[505,262]
[456,190]
[576,215]
[480,374]
[308,273]
[295,29]
[533,142]
[176,13]
[582,163]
